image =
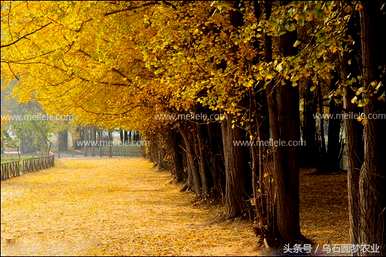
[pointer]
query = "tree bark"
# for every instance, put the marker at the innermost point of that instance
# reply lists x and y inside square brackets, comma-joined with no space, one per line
[235,169]
[354,133]
[284,121]
[321,123]
[309,126]
[333,144]
[215,158]
[200,149]
[283,107]
[174,143]
[355,160]
[193,174]
[334,124]
[372,178]
[121,136]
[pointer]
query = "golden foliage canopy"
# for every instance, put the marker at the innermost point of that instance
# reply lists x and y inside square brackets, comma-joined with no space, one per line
[117,64]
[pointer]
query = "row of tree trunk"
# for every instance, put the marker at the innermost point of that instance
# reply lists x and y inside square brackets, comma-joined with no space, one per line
[205,159]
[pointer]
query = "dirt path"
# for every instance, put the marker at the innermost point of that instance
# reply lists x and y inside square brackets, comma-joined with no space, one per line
[111,207]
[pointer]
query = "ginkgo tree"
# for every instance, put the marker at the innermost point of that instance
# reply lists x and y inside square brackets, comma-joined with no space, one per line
[65,55]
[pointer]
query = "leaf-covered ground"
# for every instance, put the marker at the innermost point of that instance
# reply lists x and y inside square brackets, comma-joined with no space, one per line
[125,207]
[111,207]
[324,207]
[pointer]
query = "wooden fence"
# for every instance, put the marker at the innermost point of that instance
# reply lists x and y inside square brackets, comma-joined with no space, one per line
[17,168]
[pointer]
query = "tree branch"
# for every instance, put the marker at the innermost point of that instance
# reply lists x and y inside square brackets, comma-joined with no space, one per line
[130,8]
[26,35]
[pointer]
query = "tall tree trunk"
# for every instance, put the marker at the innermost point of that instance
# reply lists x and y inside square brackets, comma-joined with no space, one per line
[266,225]
[354,132]
[372,178]
[215,158]
[309,126]
[355,160]
[128,136]
[174,143]
[110,141]
[121,136]
[283,106]
[193,174]
[200,150]
[235,169]
[284,121]
[333,144]
[63,140]
[321,123]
